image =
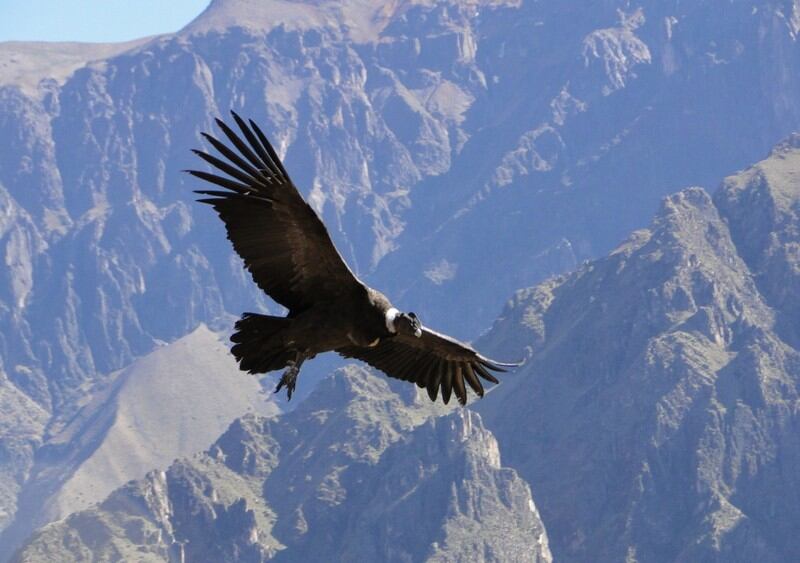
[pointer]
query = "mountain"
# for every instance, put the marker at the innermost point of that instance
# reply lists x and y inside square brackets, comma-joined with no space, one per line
[411,140]
[164,405]
[591,113]
[456,150]
[33,67]
[656,418]
[356,472]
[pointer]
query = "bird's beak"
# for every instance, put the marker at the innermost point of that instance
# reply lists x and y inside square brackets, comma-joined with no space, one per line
[417,332]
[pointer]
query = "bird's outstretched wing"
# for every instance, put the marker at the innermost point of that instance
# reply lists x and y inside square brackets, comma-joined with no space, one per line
[431,361]
[281,239]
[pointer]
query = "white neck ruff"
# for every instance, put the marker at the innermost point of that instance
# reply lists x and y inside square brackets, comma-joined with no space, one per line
[391,315]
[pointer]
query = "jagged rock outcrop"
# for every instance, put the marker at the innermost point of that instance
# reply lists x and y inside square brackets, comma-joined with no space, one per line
[356,473]
[656,417]
[762,208]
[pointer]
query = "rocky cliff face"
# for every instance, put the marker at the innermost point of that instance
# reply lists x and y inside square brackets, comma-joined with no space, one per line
[356,473]
[592,112]
[106,255]
[656,418]
[411,137]
[439,141]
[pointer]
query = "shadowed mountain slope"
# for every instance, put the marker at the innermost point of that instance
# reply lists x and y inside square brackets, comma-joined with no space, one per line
[657,417]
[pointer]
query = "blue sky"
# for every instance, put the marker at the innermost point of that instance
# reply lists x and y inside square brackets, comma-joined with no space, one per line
[93,20]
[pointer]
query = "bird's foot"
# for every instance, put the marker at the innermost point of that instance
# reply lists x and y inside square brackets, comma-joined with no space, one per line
[288,380]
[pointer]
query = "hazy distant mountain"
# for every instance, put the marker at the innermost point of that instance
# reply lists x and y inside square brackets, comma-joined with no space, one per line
[457,151]
[657,418]
[356,473]
[509,137]
[591,113]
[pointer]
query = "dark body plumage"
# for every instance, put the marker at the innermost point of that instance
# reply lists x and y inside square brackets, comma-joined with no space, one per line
[291,257]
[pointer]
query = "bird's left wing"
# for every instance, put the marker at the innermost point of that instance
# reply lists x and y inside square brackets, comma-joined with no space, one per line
[281,239]
[431,361]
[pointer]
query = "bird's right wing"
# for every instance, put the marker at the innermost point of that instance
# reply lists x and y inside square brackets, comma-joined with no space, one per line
[282,241]
[432,361]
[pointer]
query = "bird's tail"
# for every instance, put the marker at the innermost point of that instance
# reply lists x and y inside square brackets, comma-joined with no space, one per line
[259,345]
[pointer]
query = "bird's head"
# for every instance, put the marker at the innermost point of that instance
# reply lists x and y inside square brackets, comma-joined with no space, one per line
[408,323]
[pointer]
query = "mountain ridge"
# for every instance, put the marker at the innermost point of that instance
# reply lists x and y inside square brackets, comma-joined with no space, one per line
[26,64]
[513,142]
[347,459]
[660,383]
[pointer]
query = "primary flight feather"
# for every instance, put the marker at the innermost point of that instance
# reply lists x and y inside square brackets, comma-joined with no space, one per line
[287,249]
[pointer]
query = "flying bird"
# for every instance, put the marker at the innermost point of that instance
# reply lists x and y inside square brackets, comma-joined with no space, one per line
[288,251]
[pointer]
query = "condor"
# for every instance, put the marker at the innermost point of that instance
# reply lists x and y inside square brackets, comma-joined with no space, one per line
[291,257]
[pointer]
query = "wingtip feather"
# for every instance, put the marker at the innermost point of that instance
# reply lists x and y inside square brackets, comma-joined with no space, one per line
[498,366]
[484,373]
[458,385]
[472,379]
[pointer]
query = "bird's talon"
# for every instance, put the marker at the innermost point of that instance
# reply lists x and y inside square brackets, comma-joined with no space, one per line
[288,379]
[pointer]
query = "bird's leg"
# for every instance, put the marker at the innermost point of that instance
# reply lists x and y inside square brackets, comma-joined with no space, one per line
[289,377]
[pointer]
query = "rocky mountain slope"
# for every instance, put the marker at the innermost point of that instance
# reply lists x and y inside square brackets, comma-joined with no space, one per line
[34,67]
[592,112]
[106,254]
[657,417]
[411,140]
[442,141]
[356,473]
[166,404]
